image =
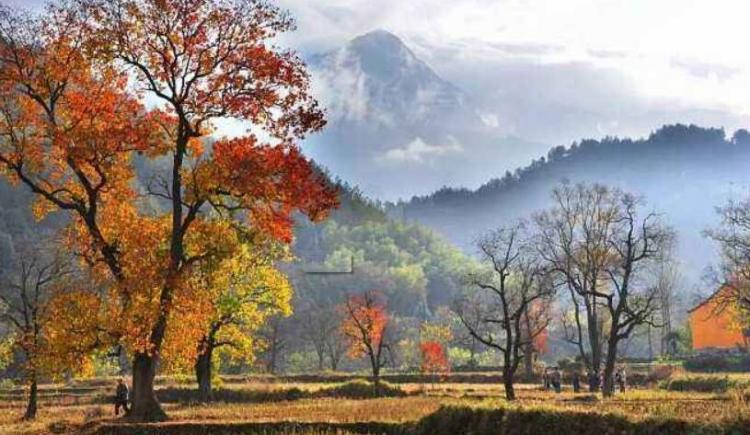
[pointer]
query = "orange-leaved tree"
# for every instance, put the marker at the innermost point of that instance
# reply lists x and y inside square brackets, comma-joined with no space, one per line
[434,358]
[73,125]
[365,326]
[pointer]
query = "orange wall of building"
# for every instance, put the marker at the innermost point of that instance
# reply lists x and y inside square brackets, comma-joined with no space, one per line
[714,328]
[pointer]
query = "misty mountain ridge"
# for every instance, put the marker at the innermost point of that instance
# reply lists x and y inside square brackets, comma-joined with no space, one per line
[397,128]
[682,172]
[396,87]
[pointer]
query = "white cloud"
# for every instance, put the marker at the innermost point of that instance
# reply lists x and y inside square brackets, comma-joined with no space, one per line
[419,151]
[489,119]
[645,35]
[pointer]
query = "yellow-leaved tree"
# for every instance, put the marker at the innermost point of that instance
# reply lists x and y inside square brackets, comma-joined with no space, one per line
[73,125]
[243,292]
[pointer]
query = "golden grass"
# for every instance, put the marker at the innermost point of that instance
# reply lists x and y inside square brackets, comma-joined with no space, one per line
[61,411]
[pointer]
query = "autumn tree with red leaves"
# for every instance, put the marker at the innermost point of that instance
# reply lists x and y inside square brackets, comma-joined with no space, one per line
[434,358]
[365,327]
[72,124]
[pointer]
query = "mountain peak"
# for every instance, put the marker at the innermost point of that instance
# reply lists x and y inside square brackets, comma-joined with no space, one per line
[382,54]
[379,38]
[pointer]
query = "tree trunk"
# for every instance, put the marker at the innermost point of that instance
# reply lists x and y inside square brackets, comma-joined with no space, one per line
[473,353]
[334,361]
[203,375]
[609,368]
[31,406]
[146,407]
[528,362]
[510,392]
[375,362]
[321,361]
[272,359]
[594,337]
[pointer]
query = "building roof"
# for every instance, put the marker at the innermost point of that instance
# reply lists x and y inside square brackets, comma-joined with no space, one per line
[711,296]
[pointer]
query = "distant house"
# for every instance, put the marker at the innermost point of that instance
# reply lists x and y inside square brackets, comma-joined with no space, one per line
[713,323]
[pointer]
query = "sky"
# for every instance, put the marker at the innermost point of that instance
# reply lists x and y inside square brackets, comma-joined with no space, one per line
[691,50]
[689,55]
[555,71]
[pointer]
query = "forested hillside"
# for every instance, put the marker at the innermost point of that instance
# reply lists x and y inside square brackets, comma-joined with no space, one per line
[17,222]
[417,269]
[682,171]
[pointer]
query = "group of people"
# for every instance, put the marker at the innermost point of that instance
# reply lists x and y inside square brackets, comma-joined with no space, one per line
[552,379]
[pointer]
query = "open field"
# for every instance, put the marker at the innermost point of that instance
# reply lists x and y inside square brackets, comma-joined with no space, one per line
[286,405]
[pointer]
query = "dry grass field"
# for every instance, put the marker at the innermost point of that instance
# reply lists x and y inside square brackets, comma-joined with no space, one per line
[264,405]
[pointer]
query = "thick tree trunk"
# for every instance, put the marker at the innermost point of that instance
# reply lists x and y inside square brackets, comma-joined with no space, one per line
[594,337]
[375,363]
[609,368]
[146,407]
[203,375]
[31,406]
[334,362]
[510,392]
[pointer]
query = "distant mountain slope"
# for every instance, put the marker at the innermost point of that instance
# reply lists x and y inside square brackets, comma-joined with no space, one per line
[17,224]
[682,171]
[397,128]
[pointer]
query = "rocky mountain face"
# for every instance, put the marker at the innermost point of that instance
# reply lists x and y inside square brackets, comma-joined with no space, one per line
[396,127]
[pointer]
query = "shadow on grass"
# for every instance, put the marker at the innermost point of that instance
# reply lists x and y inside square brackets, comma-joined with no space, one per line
[245,428]
[446,421]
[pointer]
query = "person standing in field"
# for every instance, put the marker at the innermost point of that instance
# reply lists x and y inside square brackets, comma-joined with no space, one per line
[621,379]
[594,381]
[556,379]
[576,381]
[121,397]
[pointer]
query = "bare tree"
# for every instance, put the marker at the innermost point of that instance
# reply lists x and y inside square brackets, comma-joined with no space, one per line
[320,328]
[24,291]
[471,305]
[274,336]
[733,237]
[594,240]
[513,287]
[335,348]
[574,242]
[637,244]
[667,284]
